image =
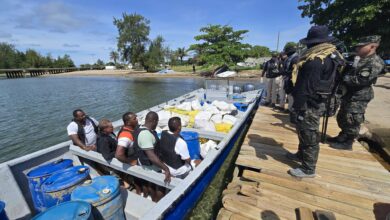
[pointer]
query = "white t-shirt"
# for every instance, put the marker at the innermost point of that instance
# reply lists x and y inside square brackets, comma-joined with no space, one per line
[90,135]
[182,150]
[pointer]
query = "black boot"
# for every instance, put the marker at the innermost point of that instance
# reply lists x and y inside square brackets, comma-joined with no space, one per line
[346,145]
[293,117]
[338,139]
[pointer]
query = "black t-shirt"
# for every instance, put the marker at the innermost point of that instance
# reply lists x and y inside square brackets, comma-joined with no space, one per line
[106,145]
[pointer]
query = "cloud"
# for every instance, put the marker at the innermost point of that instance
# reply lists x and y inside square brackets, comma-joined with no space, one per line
[5,35]
[53,16]
[70,45]
[33,45]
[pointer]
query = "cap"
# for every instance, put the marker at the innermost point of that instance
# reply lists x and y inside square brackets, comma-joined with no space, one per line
[368,40]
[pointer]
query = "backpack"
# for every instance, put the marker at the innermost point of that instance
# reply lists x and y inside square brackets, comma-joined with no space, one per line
[272,69]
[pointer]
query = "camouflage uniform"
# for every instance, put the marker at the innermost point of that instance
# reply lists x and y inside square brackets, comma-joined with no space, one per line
[307,127]
[359,92]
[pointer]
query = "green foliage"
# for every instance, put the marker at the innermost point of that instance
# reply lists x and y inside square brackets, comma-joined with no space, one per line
[10,58]
[155,55]
[133,36]
[181,53]
[114,56]
[259,51]
[351,19]
[290,44]
[220,45]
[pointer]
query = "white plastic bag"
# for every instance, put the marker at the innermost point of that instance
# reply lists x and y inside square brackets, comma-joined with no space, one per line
[229,119]
[195,105]
[186,106]
[217,118]
[206,147]
[163,117]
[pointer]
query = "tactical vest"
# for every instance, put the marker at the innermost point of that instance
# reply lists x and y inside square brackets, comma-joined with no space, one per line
[167,150]
[141,155]
[81,131]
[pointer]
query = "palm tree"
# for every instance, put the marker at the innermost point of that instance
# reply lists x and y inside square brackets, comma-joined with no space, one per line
[181,52]
[114,56]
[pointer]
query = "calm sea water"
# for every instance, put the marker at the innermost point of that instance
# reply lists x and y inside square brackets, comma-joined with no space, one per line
[34,112]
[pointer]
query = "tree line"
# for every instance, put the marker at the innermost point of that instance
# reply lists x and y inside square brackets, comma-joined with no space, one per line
[11,58]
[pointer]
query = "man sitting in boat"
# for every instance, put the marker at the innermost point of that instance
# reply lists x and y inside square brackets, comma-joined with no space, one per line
[146,141]
[106,145]
[83,130]
[173,150]
[125,150]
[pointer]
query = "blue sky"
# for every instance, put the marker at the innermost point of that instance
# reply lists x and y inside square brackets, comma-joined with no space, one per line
[84,28]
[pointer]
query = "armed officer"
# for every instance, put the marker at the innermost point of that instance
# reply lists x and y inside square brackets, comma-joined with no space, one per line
[357,84]
[313,79]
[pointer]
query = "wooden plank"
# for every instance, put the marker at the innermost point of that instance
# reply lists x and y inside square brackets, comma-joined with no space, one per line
[370,188]
[224,214]
[279,155]
[256,149]
[305,213]
[320,191]
[281,201]
[249,211]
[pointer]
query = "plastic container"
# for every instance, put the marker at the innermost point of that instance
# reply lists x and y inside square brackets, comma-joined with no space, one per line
[38,175]
[3,215]
[103,193]
[237,89]
[249,87]
[241,106]
[192,140]
[58,188]
[67,211]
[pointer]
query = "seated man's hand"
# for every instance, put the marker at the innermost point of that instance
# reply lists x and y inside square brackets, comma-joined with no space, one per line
[167,179]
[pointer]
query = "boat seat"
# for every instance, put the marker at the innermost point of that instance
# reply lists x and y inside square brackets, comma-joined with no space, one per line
[137,171]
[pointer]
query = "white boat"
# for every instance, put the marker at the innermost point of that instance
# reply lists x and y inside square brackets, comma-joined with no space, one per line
[183,194]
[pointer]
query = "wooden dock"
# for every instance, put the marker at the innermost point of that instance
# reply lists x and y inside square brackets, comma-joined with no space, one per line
[349,184]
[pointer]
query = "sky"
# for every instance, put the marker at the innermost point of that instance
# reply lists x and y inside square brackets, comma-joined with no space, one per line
[84,29]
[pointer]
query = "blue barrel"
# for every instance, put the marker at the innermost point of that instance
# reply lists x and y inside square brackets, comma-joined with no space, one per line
[192,140]
[3,215]
[58,188]
[249,87]
[103,193]
[67,211]
[241,106]
[38,175]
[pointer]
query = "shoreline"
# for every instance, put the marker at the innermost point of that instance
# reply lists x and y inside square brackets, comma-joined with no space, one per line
[142,74]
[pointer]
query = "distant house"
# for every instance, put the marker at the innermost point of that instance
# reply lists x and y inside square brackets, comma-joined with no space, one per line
[110,67]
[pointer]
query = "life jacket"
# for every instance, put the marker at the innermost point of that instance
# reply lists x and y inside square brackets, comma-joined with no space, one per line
[81,131]
[129,150]
[167,150]
[141,155]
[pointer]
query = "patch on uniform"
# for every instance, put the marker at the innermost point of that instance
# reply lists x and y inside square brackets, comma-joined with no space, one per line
[365,73]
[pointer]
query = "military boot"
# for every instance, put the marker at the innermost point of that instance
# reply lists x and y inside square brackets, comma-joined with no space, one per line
[346,145]
[294,157]
[338,139]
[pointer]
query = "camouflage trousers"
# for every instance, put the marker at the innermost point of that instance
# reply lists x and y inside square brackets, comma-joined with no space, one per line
[350,117]
[308,125]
